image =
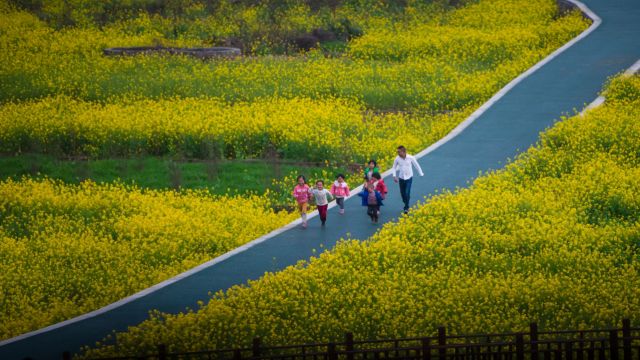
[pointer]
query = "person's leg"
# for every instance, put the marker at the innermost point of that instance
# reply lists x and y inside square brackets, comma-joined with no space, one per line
[403,193]
[303,213]
[340,202]
[322,210]
[407,191]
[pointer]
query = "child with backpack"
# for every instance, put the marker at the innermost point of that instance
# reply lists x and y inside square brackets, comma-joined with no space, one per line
[372,199]
[379,184]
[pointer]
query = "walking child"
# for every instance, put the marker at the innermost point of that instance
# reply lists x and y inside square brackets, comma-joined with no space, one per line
[380,185]
[372,167]
[322,197]
[301,194]
[372,199]
[340,189]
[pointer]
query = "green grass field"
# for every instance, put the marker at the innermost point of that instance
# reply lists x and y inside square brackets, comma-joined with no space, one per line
[220,177]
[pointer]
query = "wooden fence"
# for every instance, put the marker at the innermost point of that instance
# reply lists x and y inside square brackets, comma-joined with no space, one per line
[598,344]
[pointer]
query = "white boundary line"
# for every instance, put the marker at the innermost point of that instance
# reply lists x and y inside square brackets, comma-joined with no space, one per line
[594,104]
[455,132]
[633,69]
[600,99]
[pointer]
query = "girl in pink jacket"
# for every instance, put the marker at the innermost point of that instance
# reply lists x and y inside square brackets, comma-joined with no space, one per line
[301,194]
[340,189]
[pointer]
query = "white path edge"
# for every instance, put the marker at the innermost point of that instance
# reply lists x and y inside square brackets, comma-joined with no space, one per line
[455,132]
[600,99]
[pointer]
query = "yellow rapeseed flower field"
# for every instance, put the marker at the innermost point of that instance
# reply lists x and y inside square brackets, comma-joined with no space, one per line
[302,128]
[552,238]
[405,82]
[62,96]
[444,64]
[67,250]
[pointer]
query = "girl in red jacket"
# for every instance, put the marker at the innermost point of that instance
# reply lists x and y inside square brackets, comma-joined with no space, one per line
[379,184]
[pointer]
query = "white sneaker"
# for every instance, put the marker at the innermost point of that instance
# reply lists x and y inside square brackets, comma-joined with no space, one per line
[341,211]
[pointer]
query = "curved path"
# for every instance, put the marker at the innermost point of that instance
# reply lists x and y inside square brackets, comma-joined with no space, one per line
[510,123]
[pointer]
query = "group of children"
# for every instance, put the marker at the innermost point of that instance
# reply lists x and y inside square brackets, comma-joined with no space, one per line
[373,193]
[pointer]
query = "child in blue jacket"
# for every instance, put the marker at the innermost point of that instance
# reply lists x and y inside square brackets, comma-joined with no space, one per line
[372,199]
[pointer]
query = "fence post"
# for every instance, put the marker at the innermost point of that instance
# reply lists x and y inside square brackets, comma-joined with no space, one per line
[613,345]
[426,348]
[442,342]
[569,350]
[626,338]
[162,352]
[331,351]
[255,347]
[66,355]
[533,338]
[519,346]
[348,339]
[581,348]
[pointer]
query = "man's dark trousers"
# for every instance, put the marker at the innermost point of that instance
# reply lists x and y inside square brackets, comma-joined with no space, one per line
[405,191]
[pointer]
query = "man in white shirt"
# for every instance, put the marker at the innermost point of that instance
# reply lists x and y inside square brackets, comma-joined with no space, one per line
[403,173]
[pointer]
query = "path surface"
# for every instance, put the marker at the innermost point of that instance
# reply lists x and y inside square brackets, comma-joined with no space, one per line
[511,125]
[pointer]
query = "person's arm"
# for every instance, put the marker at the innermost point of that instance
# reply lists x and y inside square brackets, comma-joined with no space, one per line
[395,169]
[329,195]
[415,163]
[347,187]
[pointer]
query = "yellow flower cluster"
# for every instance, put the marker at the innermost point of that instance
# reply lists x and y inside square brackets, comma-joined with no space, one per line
[485,34]
[553,238]
[298,128]
[67,250]
[444,66]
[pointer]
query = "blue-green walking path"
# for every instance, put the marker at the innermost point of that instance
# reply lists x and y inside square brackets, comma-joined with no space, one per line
[512,124]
